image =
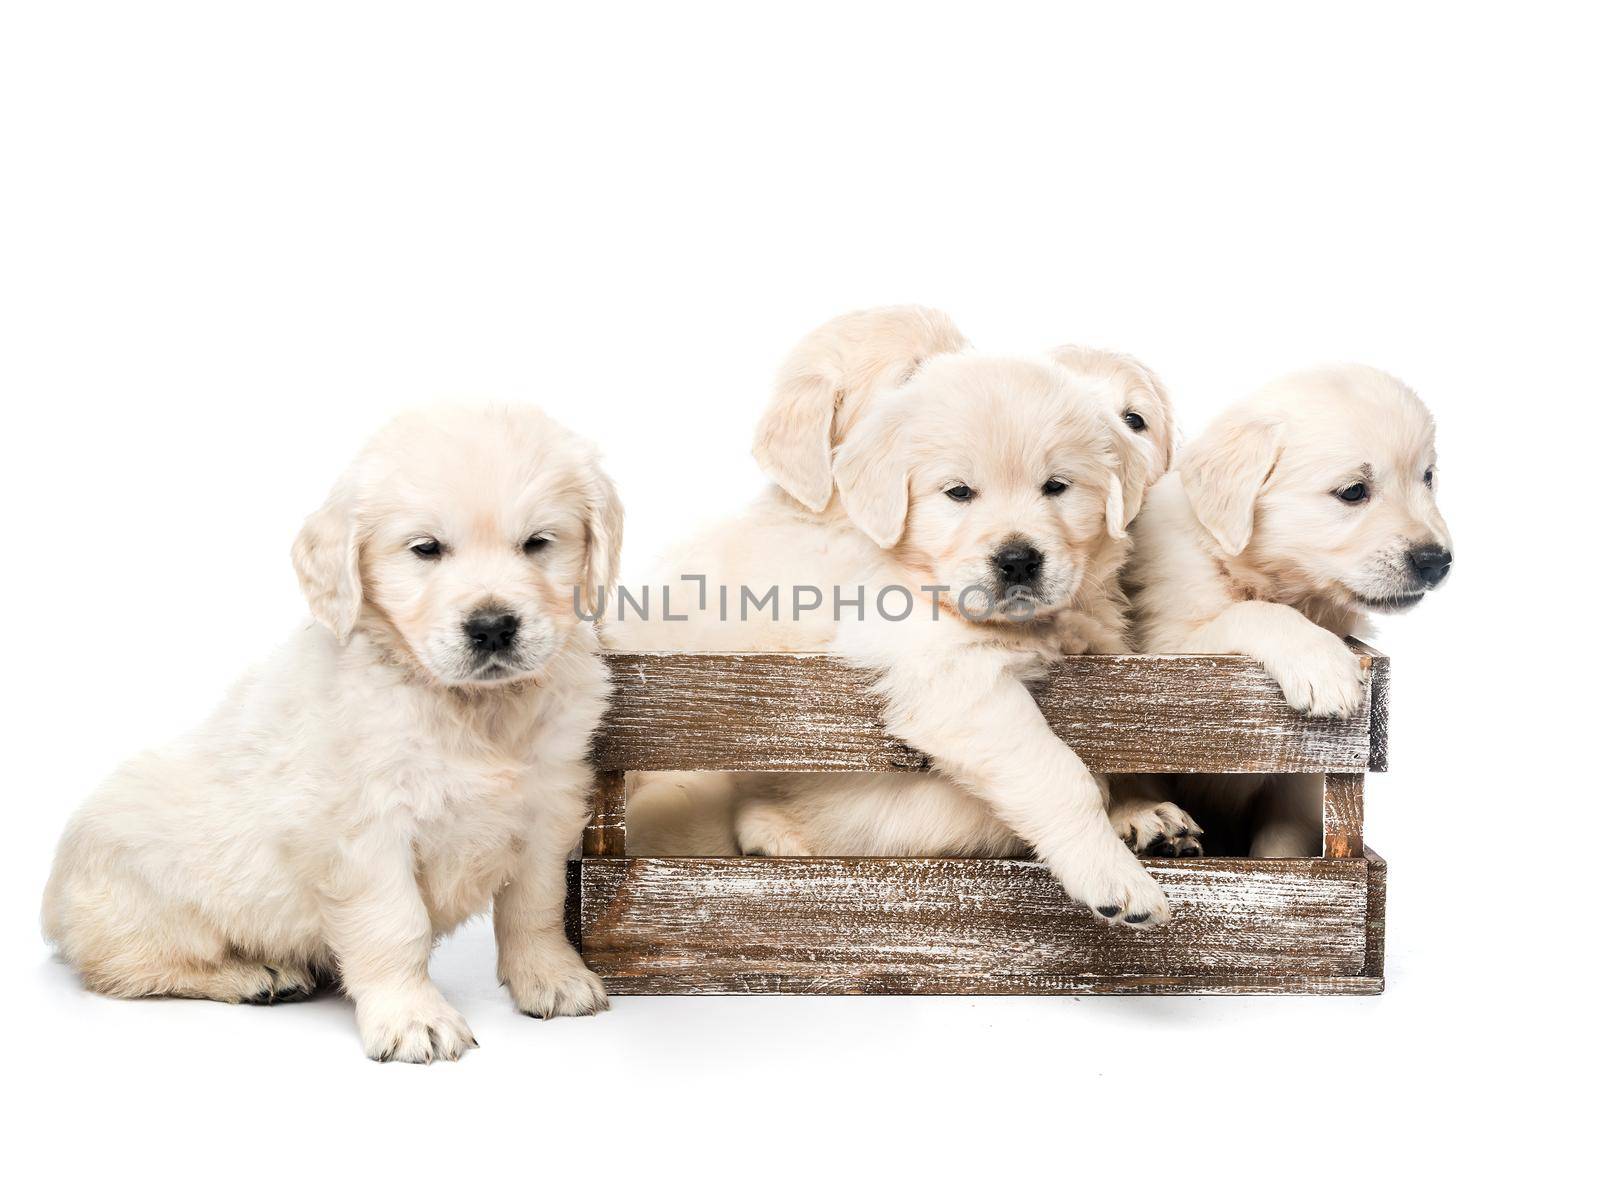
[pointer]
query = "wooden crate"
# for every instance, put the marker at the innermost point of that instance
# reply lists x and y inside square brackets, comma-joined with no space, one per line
[851,925]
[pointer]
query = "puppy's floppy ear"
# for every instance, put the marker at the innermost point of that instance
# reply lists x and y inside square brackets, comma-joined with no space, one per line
[795,437]
[602,523]
[1125,489]
[327,560]
[874,479]
[1223,473]
[846,360]
[1152,401]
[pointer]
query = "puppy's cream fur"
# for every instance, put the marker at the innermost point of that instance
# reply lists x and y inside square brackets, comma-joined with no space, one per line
[912,412]
[1247,548]
[1135,399]
[376,782]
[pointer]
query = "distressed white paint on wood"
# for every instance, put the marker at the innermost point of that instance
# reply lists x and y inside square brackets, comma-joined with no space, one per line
[1377,915]
[1343,813]
[974,926]
[965,926]
[813,713]
[1378,704]
[607,831]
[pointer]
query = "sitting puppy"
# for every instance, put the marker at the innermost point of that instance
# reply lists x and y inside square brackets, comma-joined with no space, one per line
[1009,478]
[1298,512]
[388,771]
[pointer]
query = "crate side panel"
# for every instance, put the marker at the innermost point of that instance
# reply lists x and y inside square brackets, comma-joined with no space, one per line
[809,713]
[1188,714]
[761,711]
[1377,916]
[874,925]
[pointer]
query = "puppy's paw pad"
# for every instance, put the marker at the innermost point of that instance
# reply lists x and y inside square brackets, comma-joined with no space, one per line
[1159,828]
[1118,889]
[1154,913]
[1175,849]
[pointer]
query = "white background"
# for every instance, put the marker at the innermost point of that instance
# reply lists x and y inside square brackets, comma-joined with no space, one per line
[236,239]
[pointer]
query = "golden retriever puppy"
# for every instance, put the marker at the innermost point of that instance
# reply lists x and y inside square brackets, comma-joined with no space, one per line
[417,752]
[1136,398]
[969,530]
[822,390]
[1296,514]
[796,814]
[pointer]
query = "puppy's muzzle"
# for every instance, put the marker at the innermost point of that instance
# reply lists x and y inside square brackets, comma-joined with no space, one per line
[1018,563]
[1429,563]
[492,631]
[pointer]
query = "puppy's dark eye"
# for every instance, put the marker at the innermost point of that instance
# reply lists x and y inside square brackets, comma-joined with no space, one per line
[959,493]
[1352,494]
[1427,477]
[428,549]
[1054,486]
[1134,420]
[533,544]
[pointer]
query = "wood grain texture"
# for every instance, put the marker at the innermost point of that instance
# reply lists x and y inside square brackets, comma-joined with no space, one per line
[966,926]
[1377,916]
[1343,801]
[606,834]
[1378,704]
[773,712]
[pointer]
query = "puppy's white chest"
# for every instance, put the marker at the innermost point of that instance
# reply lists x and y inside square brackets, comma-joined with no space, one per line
[466,844]
[462,795]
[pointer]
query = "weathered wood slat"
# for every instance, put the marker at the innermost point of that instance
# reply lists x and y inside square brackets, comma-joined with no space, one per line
[1378,704]
[1343,803]
[966,926]
[606,834]
[813,713]
[1377,915]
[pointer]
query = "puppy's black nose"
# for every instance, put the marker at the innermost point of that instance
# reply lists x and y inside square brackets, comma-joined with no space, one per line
[1018,563]
[1430,563]
[492,630]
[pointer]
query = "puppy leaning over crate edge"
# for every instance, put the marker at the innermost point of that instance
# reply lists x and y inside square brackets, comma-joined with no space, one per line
[1297,514]
[907,462]
[420,750]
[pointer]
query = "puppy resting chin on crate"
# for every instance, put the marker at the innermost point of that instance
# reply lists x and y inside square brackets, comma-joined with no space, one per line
[1298,513]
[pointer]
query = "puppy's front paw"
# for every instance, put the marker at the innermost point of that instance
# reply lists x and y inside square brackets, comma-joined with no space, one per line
[552,981]
[413,1027]
[1156,828]
[1322,678]
[1077,634]
[1112,883]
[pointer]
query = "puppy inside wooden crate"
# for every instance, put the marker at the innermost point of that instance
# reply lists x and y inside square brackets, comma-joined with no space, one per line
[961,521]
[1298,514]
